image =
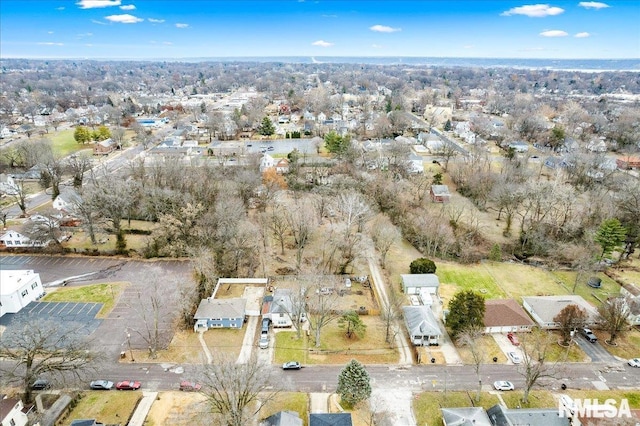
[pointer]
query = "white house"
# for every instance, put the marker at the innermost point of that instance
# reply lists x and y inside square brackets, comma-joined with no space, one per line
[414,283]
[67,201]
[266,162]
[11,412]
[280,308]
[416,164]
[15,239]
[19,288]
[8,184]
[543,309]
[422,325]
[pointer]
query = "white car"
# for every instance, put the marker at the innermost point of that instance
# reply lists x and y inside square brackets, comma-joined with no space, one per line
[514,357]
[503,385]
[634,362]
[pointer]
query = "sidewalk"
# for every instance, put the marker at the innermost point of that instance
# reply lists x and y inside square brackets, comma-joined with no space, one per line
[140,415]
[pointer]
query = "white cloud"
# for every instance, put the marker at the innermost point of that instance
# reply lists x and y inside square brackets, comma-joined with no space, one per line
[583,35]
[49,32]
[534,11]
[322,43]
[98,22]
[91,4]
[376,46]
[179,25]
[167,43]
[468,46]
[156,21]
[60,8]
[593,5]
[85,35]
[128,7]
[384,29]
[554,33]
[124,19]
[48,43]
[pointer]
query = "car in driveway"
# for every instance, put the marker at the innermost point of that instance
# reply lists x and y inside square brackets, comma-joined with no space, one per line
[128,385]
[503,385]
[40,384]
[588,334]
[101,385]
[188,386]
[514,357]
[513,339]
[291,365]
[634,362]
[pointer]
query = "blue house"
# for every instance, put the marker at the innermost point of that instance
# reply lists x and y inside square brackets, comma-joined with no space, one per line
[220,313]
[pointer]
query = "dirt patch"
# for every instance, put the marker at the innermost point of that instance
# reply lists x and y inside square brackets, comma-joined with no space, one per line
[177,408]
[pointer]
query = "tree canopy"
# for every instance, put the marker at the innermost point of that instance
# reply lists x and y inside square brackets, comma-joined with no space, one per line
[353,325]
[466,310]
[266,127]
[354,383]
[569,319]
[337,144]
[610,235]
[422,265]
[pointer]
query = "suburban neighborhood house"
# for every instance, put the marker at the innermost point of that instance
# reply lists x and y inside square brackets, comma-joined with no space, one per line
[18,289]
[67,201]
[422,325]
[104,147]
[279,308]
[440,194]
[504,316]
[16,239]
[631,294]
[220,313]
[12,412]
[543,309]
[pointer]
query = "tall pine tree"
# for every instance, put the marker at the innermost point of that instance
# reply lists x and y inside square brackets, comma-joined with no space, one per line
[354,383]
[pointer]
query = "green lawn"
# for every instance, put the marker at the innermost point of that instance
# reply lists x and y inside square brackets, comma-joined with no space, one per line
[454,277]
[426,406]
[288,401]
[537,399]
[107,294]
[64,144]
[609,286]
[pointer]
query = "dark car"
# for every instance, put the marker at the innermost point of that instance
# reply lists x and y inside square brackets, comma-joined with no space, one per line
[266,322]
[101,385]
[40,384]
[128,385]
[291,365]
[588,334]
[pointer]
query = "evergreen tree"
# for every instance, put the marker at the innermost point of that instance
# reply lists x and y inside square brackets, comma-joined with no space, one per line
[437,179]
[610,235]
[352,323]
[337,144]
[466,309]
[447,126]
[354,383]
[266,128]
[422,265]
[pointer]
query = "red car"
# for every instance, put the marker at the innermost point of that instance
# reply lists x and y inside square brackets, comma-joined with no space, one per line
[188,386]
[513,339]
[128,385]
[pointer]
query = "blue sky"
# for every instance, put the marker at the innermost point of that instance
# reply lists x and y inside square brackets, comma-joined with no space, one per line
[147,29]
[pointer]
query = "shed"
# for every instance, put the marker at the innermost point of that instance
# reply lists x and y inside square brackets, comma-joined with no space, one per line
[414,283]
[440,193]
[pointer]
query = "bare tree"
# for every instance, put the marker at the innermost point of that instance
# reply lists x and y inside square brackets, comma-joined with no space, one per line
[117,134]
[470,337]
[322,306]
[535,364]
[612,317]
[19,192]
[391,312]
[384,235]
[32,348]
[279,225]
[237,392]
[154,309]
[301,223]
[78,165]
[45,228]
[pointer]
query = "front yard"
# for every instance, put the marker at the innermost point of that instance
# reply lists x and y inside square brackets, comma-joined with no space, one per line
[106,407]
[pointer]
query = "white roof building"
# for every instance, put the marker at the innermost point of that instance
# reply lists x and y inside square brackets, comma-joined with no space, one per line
[19,288]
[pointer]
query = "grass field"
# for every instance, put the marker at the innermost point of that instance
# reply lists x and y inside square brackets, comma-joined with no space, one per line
[488,348]
[288,401]
[426,406]
[64,144]
[627,346]
[592,295]
[107,407]
[454,278]
[107,294]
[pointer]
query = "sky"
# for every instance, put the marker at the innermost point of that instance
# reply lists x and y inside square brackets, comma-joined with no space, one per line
[151,29]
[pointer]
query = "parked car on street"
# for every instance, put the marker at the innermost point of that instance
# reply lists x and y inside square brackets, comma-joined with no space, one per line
[101,385]
[514,357]
[40,384]
[513,339]
[503,385]
[291,365]
[188,386]
[128,385]
[634,362]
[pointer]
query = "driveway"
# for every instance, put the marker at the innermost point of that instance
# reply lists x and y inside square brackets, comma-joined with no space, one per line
[80,316]
[595,351]
[506,346]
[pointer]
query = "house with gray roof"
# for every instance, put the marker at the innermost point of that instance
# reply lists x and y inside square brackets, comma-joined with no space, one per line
[466,416]
[330,419]
[220,313]
[543,309]
[283,418]
[280,308]
[422,325]
[416,283]
[501,416]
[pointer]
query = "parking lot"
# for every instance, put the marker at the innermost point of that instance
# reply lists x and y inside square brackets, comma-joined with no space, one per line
[80,316]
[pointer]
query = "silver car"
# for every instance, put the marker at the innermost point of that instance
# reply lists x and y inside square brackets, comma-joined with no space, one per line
[514,357]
